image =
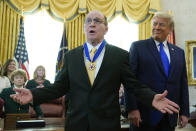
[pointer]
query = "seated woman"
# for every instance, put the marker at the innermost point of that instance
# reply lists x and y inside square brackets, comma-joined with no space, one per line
[9,67]
[38,81]
[18,77]
[4,83]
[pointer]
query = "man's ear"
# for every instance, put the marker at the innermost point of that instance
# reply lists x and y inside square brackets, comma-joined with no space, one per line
[106,29]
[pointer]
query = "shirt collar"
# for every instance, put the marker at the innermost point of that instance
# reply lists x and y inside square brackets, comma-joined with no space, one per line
[90,47]
[17,87]
[164,43]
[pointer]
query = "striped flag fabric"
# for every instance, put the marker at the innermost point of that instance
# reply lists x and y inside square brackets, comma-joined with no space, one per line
[171,37]
[63,48]
[21,55]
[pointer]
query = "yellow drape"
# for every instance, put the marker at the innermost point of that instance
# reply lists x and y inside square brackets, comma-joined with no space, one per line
[75,32]
[9,27]
[136,10]
[73,12]
[145,29]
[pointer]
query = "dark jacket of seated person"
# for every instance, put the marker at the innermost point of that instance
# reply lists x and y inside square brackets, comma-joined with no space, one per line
[18,77]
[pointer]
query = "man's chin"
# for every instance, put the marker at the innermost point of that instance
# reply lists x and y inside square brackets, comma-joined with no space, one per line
[156,38]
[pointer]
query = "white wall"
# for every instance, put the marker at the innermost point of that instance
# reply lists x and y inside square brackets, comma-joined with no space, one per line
[184,12]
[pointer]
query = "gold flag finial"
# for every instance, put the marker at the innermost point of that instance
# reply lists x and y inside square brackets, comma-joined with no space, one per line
[170,12]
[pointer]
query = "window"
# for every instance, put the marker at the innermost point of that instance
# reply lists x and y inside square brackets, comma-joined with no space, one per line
[43,36]
[121,33]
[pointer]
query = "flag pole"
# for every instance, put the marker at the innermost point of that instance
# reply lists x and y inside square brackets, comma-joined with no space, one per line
[64,37]
[20,45]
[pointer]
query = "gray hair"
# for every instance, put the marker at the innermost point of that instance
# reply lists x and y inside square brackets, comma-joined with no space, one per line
[164,15]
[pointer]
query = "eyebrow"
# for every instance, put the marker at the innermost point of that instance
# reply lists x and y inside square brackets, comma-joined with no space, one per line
[94,18]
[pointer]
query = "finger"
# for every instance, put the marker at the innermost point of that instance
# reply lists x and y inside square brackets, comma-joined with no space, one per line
[163,111]
[13,96]
[135,123]
[183,124]
[16,89]
[164,94]
[173,109]
[132,121]
[173,104]
[138,122]
[168,110]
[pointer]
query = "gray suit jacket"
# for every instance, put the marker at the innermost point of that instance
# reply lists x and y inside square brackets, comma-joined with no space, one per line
[96,107]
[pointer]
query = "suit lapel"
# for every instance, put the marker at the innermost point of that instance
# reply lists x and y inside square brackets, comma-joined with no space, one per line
[155,53]
[172,59]
[81,65]
[104,63]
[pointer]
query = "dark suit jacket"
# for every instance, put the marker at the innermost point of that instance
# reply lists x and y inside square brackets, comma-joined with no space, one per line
[147,66]
[95,107]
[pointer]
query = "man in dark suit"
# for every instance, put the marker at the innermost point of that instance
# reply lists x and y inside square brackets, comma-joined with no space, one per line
[94,103]
[150,68]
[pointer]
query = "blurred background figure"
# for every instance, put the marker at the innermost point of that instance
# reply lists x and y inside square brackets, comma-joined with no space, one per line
[38,81]
[18,77]
[124,114]
[4,81]
[9,67]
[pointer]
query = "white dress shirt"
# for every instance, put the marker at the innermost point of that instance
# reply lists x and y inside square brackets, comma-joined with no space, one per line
[4,83]
[165,47]
[98,60]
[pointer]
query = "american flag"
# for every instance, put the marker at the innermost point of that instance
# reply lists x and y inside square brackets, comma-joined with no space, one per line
[62,50]
[21,54]
[171,37]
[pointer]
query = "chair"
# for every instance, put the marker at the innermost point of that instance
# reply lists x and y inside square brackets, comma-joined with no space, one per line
[54,108]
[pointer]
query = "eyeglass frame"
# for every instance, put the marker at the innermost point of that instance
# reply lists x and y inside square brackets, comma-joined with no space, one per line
[96,21]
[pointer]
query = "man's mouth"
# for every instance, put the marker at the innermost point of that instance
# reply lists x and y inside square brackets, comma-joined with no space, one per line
[91,31]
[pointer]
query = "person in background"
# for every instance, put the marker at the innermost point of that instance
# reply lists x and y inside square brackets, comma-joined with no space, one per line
[18,77]
[4,81]
[161,66]
[93,82]
[38,81]
[9,67]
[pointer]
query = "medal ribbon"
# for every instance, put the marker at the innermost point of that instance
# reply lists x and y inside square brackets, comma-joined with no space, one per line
[96,54]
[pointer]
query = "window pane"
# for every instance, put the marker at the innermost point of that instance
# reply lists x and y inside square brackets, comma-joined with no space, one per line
[122,33]
[43,36]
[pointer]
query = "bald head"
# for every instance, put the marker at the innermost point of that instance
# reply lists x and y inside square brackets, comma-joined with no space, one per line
[95,27]
[100,13]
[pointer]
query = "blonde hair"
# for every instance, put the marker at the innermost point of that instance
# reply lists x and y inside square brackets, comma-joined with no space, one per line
[164,15]
[19,72]
[35,72]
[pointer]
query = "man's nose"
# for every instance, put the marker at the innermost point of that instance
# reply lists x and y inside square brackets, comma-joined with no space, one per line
[92,23]
[158,26]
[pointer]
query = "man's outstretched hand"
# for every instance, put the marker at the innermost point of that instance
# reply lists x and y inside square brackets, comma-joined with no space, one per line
[161,103]
[22,96]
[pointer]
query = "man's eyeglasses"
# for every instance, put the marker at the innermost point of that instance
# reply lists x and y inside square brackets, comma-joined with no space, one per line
[96,21]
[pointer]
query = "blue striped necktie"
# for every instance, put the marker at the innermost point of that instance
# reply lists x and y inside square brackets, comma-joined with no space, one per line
[164,59]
